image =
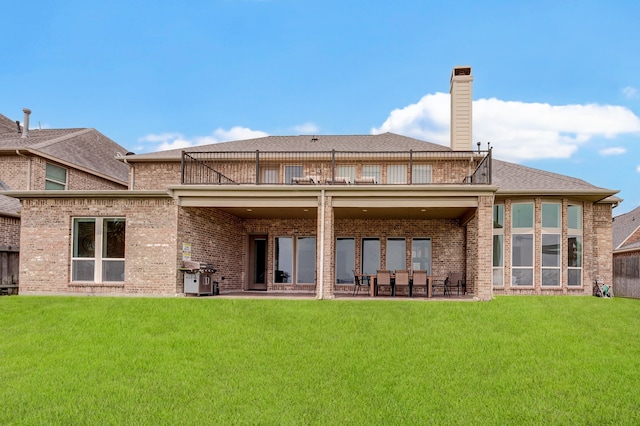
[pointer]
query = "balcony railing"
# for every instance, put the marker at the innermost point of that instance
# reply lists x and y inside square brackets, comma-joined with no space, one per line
[336,168]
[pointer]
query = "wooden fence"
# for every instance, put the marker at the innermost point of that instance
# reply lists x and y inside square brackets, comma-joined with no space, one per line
[9,265]
[626,275]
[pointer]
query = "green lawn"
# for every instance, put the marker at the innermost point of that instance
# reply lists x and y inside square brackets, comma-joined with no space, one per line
[515,360]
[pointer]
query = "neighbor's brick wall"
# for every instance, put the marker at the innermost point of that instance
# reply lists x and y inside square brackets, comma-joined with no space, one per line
[603,243]
[14,171]
[150,266]
[9,232]
[215,237]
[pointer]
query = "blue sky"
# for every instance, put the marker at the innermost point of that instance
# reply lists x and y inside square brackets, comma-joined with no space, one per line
[556,84]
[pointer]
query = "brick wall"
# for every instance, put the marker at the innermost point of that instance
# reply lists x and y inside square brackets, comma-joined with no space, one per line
[155,176]
[9,232]
[76,179]
[215,237]
[13,171]
[150,266]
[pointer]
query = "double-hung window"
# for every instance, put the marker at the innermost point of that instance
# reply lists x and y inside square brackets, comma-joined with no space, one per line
[372,171]
[396,174]
[574,245]
[522,244]
[551,247]
[98,249]
[56,177]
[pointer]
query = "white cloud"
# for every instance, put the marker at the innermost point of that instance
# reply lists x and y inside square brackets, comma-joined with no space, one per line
[518,130]
[614,150]
[630,92]
[306,128]
[166,141]
[638,169]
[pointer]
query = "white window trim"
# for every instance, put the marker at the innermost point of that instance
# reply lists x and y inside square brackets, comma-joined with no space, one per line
[524,231]
[498,231]
[98,259]
[66,176]
[552,231]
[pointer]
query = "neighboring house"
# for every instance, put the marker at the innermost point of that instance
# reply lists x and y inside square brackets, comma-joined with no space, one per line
[626,254]
[49,160]
[301,213]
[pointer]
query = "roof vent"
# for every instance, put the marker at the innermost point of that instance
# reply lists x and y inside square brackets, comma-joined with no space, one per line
[314,138]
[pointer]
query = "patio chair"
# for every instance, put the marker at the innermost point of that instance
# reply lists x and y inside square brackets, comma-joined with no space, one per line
[359,282]
[438,285]
[455,280]
[383,280]
[402,281]
[419,280]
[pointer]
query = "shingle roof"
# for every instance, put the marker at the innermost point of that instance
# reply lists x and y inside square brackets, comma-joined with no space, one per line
[8,205]
[515,177]
[624,226]
[7,125]
[306,143]
[86,148]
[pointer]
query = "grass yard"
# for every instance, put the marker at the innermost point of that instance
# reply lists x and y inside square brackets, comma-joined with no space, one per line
[515,360]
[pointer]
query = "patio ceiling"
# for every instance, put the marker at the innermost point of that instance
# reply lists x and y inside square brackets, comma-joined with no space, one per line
[389,213]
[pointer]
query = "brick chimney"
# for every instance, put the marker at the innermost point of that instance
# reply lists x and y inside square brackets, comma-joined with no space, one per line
[461,117]
[25,124]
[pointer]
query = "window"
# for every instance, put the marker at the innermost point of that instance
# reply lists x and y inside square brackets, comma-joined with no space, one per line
[522,244]
[397,174]
[421,173]
[498,245]
[269,174]
[304,261]
[370,255]
[283,259]
[574,245]
[345,260]
[421,254]
[291,172]
[551,248]
[306,254]
[346,171]
[56,177]
[374,171]
[396,254]
[106,264]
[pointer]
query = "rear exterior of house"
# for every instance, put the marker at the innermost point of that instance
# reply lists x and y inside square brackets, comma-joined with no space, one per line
[301,214]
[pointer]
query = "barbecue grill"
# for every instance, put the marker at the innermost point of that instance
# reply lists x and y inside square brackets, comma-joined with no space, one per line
[198,278]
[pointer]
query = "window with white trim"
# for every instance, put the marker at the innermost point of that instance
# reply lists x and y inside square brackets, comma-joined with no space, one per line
[421,254]
[55,177]
[349,172]
[498,245]
[98,249]
[574,245]
[551,246]
[292,172]
[269,174]
[522,243]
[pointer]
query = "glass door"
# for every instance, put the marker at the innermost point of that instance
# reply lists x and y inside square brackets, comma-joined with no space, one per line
[257,262]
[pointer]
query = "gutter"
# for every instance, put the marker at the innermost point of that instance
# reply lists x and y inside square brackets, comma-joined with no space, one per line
[85,194]
[28,167]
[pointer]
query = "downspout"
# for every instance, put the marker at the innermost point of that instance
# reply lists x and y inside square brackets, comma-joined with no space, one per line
[28,168]
[321,274]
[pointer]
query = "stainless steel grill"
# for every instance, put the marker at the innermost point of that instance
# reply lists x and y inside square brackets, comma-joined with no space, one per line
[198,278]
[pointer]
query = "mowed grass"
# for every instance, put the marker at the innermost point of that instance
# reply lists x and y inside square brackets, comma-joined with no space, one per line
[515,360]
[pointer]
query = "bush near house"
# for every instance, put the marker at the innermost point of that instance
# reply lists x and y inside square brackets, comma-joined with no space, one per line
[515,360]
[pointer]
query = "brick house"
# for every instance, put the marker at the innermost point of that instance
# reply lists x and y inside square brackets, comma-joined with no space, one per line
[626,254]
[299,214]
[49,160]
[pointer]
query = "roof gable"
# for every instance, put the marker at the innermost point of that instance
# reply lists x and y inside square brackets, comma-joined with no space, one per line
[626,230]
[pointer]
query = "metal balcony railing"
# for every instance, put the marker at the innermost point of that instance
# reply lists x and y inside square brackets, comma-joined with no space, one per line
[336,168]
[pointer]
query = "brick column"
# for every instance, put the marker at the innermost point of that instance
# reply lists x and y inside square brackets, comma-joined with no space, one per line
[324,255]
[484,235]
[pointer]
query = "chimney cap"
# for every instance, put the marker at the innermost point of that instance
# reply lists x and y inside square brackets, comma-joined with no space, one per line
[26,110]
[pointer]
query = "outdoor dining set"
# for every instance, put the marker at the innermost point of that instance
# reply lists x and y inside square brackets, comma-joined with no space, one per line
[405,282]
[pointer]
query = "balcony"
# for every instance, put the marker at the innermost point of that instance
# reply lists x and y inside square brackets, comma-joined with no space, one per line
[336,168]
